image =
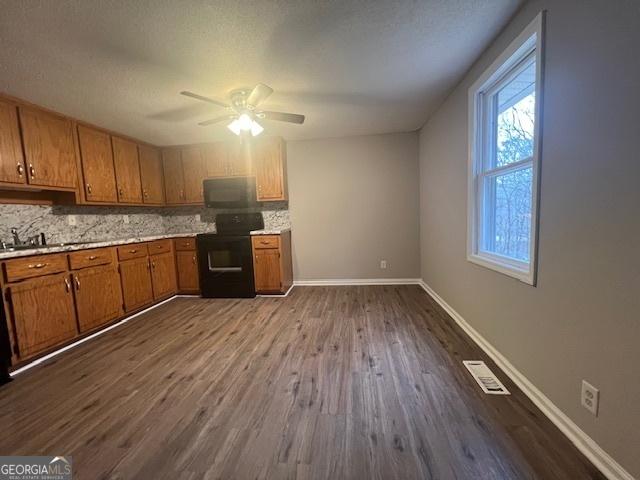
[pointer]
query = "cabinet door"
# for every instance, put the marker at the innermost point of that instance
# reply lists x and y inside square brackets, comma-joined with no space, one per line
[98,296]
[11,159]
[97,165]
[173,177]
[215,159]
[239,159]
[151,175]
[269,158]
[49,149]
[188,280]
[43,313]
[125,159]
[194,173]
[135,277]
[266,270]
[163,273]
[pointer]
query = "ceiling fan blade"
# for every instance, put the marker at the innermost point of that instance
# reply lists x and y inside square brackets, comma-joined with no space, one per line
[204,99]
[216,120]
[258,95]
[282,117]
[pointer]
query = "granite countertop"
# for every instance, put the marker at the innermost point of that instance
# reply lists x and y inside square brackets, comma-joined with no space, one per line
[83,246]
[266,231]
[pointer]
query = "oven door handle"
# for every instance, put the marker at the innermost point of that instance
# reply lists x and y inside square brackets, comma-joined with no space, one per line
[225,269]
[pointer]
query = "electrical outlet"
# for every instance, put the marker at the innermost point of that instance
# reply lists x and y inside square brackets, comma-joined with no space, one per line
[125,218]
[590,397]
[71,220]
[383,264]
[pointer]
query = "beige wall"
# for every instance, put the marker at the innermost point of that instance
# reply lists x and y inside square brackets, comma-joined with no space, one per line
[354,201]
[582,321]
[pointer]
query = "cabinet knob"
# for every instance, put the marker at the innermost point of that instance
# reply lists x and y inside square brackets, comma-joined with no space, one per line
[32,171]
[145,193]
[120,191]
[92,257]
[88,189]
[20,169]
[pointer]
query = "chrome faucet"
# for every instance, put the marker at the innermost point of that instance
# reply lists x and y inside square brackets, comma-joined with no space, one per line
[16,237]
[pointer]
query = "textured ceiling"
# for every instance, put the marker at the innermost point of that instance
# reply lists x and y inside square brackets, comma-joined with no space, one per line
[351,66]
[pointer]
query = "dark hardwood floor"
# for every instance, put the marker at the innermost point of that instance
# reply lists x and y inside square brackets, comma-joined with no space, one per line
[328,383]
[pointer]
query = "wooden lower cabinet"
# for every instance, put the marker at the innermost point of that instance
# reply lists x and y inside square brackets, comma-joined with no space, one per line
[188,280]
[43,313]
[98,296]
[163,275]
[135,277]
[272,263]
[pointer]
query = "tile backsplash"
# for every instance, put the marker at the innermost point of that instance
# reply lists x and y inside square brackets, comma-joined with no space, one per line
[110,223]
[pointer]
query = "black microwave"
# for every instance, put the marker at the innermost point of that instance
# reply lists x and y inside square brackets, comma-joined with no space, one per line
[234,192]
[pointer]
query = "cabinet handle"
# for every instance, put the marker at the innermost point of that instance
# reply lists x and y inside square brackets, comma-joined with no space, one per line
[88,189]
[120,192]
[92,257]
[145,193]
[38,265]
[32,171]
[67,285]
[194,259]
[264,242]
[158,246]
[153,265]
[77,282]
[20,169]
[133,251]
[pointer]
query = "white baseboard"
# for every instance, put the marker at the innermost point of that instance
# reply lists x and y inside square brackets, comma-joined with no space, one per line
[357,281]
[589,448]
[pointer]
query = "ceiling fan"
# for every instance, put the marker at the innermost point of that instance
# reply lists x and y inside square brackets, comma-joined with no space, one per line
[244,112]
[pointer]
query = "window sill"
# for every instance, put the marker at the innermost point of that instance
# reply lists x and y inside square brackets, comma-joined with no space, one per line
[525,275]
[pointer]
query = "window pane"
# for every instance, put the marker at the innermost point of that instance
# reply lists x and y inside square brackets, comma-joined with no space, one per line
[515,118]
[507,214]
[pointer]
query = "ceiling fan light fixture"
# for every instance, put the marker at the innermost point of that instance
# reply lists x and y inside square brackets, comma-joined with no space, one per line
[245,122]
[235,127]
[256,129]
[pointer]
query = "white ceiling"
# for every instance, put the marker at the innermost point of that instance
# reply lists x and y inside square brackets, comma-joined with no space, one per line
[351,66]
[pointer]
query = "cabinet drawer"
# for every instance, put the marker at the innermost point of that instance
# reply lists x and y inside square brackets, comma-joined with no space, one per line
[90,258]
[265,241]
[159,246]
[185,244]
[135,250]
[21,268]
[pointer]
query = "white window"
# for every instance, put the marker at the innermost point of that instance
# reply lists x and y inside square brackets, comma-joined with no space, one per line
[504,140]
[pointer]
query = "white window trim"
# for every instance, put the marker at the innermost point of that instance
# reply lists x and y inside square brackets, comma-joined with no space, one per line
[532,37]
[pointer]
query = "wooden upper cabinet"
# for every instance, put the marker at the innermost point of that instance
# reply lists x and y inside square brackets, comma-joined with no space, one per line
[239,159]
[98,296]
[49,149]
[270,159]
[12,169]
[193,168]
[127,166]
[151,175]
[43,313]
[173,176]
[215,159]
[97,165]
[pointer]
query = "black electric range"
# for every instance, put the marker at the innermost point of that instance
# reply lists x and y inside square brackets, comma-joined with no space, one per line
[225,260]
